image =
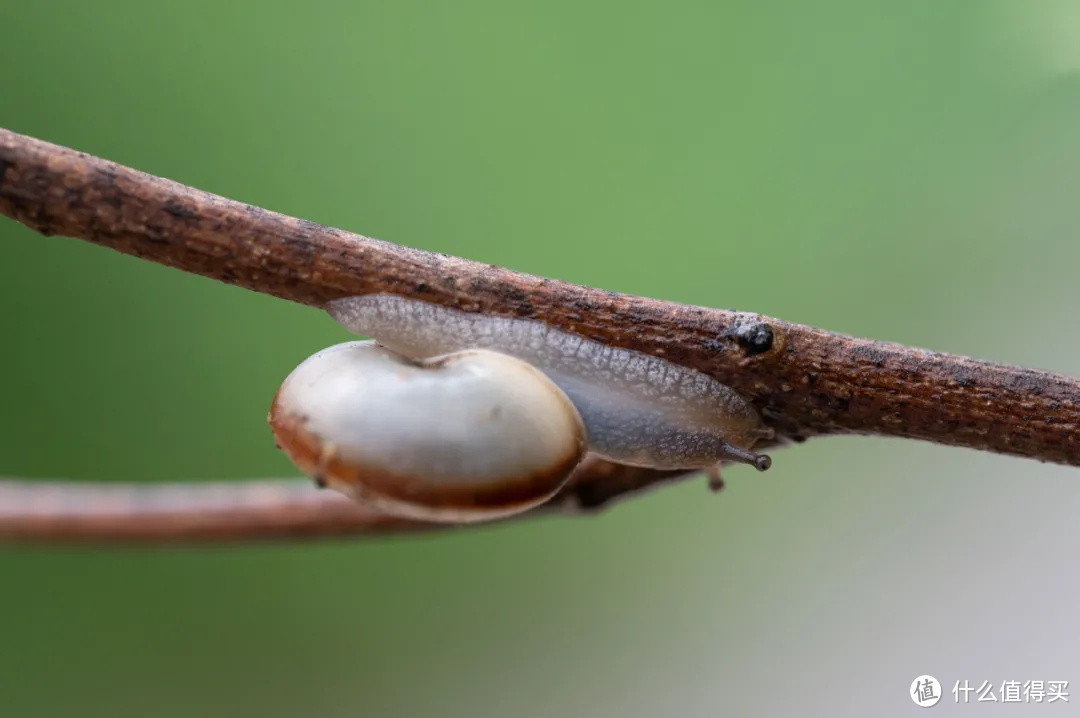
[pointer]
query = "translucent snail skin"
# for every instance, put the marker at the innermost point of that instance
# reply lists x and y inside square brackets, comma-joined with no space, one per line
[638,409]
[472,436]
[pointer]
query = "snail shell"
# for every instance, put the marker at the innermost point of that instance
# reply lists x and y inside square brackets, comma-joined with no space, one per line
[468,436]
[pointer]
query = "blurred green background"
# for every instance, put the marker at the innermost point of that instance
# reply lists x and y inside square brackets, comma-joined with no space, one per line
[901,170]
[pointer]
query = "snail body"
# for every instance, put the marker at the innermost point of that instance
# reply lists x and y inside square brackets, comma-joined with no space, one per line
[638,409]
[470,436]
[456,416]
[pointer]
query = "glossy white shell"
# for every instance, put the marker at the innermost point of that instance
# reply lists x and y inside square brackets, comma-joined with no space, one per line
[469,436]
[638,409]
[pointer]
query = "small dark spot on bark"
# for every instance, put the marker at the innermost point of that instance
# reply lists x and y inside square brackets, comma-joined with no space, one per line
[73,196]
[516,294]
[155,234]
[1027,381]
[585,305]
[42,222]
[870,353]
[755,337]
[714,346]
[4,164]
[179,211]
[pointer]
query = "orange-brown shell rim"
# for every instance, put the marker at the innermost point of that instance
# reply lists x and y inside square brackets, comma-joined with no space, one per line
[316,459]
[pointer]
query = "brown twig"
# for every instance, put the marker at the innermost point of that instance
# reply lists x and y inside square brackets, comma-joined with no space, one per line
[806,381]
[66,511]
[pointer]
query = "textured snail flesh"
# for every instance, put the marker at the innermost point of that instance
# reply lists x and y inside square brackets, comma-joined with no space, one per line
[466,437]
[638,409]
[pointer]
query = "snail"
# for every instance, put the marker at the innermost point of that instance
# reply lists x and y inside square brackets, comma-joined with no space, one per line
[629,407]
